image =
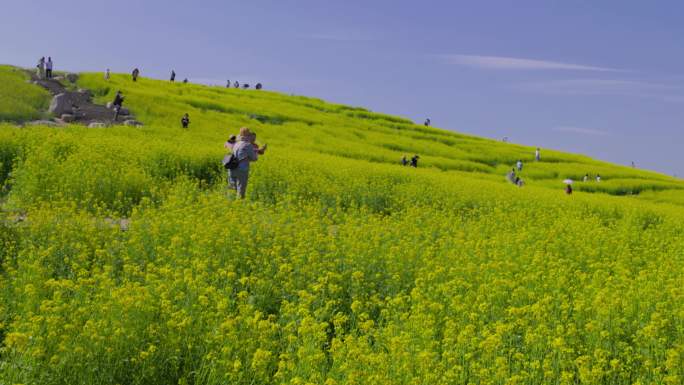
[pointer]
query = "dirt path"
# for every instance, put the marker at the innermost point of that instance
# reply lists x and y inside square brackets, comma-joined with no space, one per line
[82,109]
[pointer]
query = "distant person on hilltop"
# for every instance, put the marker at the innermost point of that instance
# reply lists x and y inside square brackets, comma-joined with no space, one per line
[118,103]
[404,161]
[48,68]
[427,122]
[236,84]
[107,74]
[519,165]
[414,161]
[173,76]
[41,68]
[258,86]
[185,121]
[228,84]
[537,154]
[185,81]
[135,74]
[245,86]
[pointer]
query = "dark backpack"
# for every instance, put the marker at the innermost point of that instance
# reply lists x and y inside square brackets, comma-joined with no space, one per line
[231,162]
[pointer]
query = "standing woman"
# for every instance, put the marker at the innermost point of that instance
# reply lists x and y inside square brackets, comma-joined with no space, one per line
[244,151]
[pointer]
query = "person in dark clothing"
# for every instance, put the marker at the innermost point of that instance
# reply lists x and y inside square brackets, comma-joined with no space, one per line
[185,121]
[185,81]
[118,102]
[228,84]
[48,68]
[568,189]
[258,86]
[236,84]
[427,122]
[173,75]
[245,86]
[404,161]
[135,74]
[414,161]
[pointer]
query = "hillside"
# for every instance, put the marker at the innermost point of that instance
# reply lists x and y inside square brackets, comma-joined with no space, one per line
[125,260]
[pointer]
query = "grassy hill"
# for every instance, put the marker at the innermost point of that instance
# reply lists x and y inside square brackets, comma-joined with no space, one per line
[126,261]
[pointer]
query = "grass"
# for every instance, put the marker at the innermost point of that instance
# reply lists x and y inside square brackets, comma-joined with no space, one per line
[18,101]
[124,260]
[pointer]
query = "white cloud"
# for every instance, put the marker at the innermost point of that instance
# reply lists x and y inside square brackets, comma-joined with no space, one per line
[512,63]
[601,87]
[580,130]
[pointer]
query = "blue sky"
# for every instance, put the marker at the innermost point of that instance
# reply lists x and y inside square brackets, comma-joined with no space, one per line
[600,78]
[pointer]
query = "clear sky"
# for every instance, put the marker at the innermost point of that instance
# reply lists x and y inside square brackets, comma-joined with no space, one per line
[603,78]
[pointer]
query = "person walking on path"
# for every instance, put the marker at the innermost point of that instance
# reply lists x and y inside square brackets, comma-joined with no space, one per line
[41,68]
[185,121]
[228,84]
[537,154]
[173,76]
[414,161]
[519,165]
[118,102]
[135,74]
[48,68]
[568,189]
[245,153]
[427,122]
[107,74]
[236,84]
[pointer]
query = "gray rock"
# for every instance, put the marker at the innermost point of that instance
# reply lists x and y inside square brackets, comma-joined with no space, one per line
[60,105]
[71,77]
[85,93]
[58,78]
[67,118]
[131,122]
[97,125]
[48,123]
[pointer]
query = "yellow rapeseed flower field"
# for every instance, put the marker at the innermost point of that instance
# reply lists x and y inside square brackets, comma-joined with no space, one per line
[125,260]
